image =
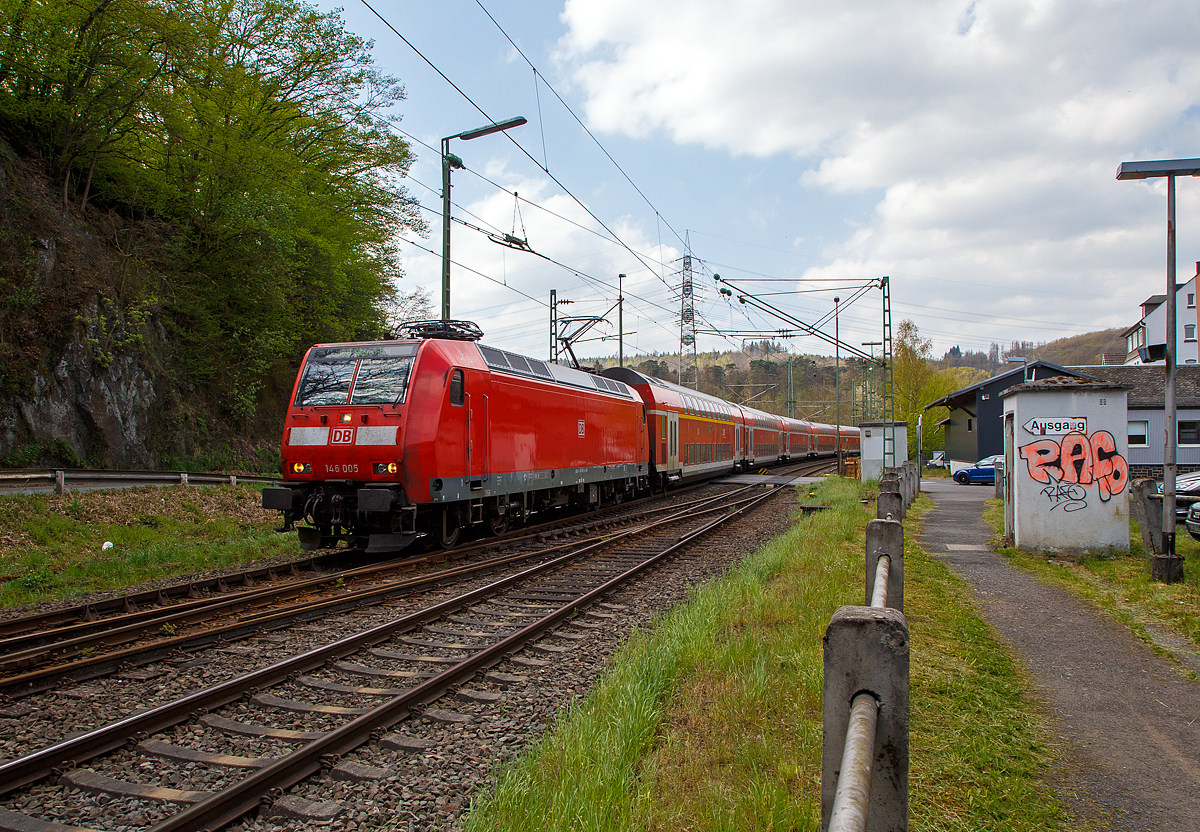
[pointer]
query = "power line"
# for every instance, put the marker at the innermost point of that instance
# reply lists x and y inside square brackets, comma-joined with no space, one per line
[579,121]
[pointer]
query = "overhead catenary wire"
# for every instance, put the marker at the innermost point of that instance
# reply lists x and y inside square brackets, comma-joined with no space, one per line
[578,120]
[514,142]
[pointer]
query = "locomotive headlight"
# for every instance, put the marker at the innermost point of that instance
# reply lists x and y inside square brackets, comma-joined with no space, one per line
[386,467]
[301,467]
[345,418]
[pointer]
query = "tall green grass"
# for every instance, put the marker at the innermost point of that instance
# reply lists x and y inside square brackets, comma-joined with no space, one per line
[713,721]
[53,547]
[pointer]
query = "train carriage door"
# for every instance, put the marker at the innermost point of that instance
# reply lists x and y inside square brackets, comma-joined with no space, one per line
[478,424]
[672,460]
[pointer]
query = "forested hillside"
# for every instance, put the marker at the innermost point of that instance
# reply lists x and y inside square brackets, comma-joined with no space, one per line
[197,191]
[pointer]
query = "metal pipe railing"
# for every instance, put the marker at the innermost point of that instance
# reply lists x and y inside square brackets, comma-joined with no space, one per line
[866,688]
[879,596]
[62,479]
[852,800]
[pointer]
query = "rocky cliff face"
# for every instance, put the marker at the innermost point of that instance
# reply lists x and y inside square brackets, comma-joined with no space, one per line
[98,412]
[81,373]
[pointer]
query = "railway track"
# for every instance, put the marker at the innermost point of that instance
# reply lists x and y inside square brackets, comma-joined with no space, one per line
[268,729]
[93,640]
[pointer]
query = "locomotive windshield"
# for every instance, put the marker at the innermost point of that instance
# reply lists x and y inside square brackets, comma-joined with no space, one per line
[356,375]
[381,381]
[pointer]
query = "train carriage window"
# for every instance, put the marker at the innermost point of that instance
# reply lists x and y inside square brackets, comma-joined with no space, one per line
[457,388]
[663,421]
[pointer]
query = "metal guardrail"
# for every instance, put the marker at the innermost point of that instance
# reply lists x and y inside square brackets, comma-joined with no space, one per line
[61,479]
[865,705]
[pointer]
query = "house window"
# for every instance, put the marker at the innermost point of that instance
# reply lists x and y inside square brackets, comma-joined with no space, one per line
[1189,432]
[970,425]
[1189,332]
[1139,434]
[1191,300]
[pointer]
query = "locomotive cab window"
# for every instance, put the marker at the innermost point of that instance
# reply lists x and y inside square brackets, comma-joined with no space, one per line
[457,392]
[381,381]
[377,375]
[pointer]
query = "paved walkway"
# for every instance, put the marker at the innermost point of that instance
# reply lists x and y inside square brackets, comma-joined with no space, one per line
[1128,722]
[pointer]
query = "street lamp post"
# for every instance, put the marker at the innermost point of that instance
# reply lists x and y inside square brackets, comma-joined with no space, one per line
[1169,168]
[449,160]
[1024,359]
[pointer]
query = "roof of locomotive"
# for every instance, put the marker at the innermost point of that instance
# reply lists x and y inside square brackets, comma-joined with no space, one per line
[502,361]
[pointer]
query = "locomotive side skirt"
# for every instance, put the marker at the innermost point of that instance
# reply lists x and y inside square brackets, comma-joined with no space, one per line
[445,490]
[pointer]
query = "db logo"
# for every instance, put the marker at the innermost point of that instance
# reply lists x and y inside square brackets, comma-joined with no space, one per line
[342,436]
[581,425]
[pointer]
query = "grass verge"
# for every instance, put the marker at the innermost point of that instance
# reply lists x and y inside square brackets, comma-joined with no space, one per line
[1120,583]
[52,546]
[713,721]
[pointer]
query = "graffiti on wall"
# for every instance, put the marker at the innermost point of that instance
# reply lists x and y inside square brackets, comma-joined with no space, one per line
[1069,467]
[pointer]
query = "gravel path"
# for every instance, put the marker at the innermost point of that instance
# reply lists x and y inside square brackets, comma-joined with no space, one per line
[1127,720]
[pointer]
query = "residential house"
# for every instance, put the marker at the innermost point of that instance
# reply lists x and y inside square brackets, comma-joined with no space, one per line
[1152,328]
[1146,404]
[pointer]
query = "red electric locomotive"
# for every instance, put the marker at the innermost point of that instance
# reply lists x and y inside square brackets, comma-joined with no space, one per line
[388,441]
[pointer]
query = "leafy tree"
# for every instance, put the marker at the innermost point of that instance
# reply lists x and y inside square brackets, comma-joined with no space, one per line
[256,133]
[416,305]
[917,383]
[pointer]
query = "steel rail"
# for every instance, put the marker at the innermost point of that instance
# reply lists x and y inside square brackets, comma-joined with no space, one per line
[227,806]
[68,753]
[35,681]
[851,799]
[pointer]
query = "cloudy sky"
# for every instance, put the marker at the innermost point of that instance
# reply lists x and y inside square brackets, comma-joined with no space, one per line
[967,150]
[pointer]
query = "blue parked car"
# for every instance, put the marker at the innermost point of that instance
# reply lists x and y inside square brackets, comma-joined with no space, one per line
[983,471]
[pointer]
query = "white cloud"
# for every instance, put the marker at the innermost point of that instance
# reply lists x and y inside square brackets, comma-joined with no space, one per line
[991,128]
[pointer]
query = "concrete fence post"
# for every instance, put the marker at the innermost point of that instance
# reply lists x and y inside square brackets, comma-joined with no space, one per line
[890,501]
[867,651]
[1000,475]
[60,482]
[1149,515]
[886,537]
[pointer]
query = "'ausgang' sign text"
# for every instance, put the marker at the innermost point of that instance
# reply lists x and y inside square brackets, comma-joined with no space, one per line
[1056,425]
